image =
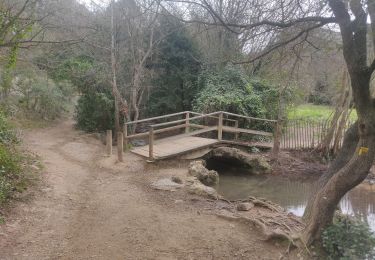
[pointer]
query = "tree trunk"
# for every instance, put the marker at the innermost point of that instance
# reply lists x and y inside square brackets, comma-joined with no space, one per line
[349,169]
[115,91]
[329,195]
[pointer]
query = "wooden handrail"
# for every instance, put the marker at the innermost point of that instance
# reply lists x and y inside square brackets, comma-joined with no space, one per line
[249,117]
[172,115]
[155,118]
[184,120]
[225,119]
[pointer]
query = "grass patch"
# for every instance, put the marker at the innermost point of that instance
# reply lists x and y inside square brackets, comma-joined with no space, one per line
[315,112]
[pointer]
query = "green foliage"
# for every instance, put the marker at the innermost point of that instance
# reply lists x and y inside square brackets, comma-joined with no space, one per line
[7,133]
[95,112]
[41,96]
[12,30]
[229,89]
[8,69]
[348,238]
[81,71]
[175,85]
[9,159]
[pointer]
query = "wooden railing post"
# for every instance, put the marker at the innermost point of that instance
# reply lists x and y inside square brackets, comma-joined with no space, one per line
[276,140]
[120,146]
[125,130]
[220,127]
[236,126]
[151,145]
[187,128]
[109,142]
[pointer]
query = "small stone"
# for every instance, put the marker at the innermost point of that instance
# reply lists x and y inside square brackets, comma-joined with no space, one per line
[245,206]
[178,201]
[203,190]
[35,167]
[166,184]
[177,179]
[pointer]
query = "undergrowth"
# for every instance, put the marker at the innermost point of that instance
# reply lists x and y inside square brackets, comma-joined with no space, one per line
[348,238]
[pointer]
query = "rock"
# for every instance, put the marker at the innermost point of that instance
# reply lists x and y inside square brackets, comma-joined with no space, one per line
[207,177]
[255,162]
[35,167]
[166,184]
[245,206]
[177,179]
[200,189]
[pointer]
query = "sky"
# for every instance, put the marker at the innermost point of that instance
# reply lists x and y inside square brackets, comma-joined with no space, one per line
[95,2]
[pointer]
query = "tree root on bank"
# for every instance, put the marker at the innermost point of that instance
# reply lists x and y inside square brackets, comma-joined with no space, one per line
[272,221]
[266,232]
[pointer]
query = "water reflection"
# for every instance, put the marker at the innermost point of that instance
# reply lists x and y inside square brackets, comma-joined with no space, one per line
[293,194]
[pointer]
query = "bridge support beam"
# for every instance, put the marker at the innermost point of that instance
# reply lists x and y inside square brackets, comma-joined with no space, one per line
[276,139]
[125,132]
[109,142]
[187,123]
[220,127]
[151,145]
[120,146]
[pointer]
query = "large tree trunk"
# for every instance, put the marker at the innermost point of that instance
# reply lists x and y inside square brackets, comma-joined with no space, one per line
[348,170]
[328,196]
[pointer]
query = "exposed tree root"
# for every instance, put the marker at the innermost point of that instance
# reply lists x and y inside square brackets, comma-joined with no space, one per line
[271,219]
[266,232]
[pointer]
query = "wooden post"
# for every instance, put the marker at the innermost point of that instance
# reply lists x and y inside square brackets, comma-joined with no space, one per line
[236,126]
[120,146]
[109,142]
[220,127]
[125,130]
[187,128]
[151,145]
[276,140]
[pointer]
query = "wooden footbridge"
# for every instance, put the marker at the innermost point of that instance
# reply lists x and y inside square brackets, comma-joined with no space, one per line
[180,133]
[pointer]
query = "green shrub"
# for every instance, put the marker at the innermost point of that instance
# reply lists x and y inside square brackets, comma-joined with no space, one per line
[95,112]
[5,189]
[229,90]
[10,160]
[41,96]
[348,238]
[7,133]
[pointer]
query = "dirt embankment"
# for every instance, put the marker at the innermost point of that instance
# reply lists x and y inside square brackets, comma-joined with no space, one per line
[88,206]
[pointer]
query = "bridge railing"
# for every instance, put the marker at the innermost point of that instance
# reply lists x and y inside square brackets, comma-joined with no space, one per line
[192,127]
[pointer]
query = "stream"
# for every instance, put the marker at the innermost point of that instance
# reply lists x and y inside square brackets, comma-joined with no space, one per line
[292,194]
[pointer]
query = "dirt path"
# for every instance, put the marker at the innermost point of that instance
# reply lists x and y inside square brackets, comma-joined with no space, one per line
[90,207]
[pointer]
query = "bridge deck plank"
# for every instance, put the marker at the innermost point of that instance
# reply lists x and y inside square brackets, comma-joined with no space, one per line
[166,148]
